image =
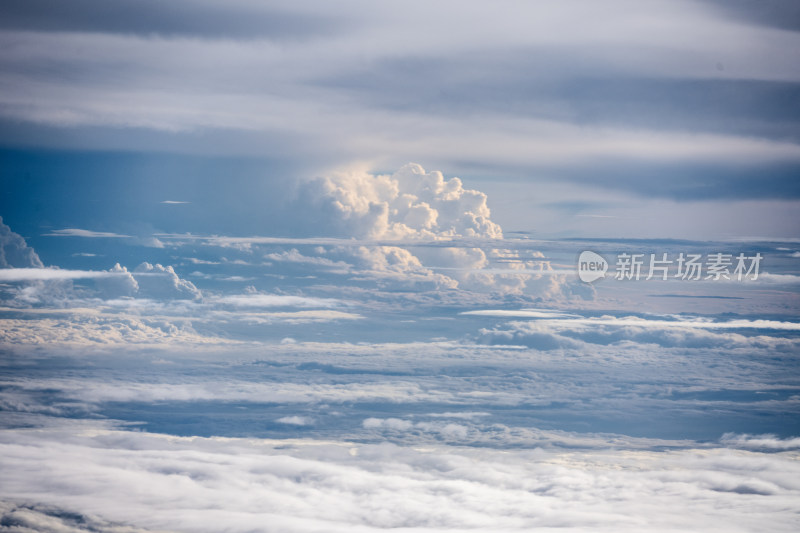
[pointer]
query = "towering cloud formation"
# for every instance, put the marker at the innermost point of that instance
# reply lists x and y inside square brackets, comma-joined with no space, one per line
[412,207]
[157,281]
[14,251]
[409,204]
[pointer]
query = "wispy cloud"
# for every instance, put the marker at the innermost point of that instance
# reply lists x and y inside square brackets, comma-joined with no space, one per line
[47,274]
[566,320]
[77,232]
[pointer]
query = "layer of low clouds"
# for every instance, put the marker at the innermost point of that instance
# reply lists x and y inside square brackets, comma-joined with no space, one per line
[154,482]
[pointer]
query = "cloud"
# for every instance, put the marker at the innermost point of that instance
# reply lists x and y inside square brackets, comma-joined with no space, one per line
[80,329]
[14,251]
[398,266]
[450,95]
[124,284]
[294,256]
[77,232]
[409,204]
[29,518]
[203,19]
[560,332]
[144,240]
[157,281]
[254,299]
[294,420]
[91,391]
[680,322]
[411,216]
[759,442]
[49,274]
[447,430]
[47,285]
[206,484]
[283,317]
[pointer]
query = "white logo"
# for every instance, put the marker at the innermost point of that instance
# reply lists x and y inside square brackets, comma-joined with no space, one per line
[591,266]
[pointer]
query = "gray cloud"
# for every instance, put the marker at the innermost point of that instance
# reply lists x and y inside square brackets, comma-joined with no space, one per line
[542,88]
[30,518]
[784,14]
[238,19]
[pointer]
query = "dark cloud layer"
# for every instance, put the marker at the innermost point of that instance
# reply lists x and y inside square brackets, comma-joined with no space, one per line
[784,14]
[181,18]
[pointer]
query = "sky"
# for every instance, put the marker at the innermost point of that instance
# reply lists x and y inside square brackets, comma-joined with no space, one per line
[462,266]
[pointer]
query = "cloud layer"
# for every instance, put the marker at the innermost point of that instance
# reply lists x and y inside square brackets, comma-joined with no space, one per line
[153,482]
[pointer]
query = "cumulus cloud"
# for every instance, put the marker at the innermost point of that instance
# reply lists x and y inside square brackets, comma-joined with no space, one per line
[19,264]
[409,204]
[123,284]
[398,266]
[157,281]
[47,285]
[14,251]
[419,222]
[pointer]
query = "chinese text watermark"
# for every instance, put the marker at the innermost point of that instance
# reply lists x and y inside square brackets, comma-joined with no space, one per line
[663,266]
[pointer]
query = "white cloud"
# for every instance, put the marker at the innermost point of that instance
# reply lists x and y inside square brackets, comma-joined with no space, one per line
[157,281]
[294,256]
[294,420]
[206,484]
[275,300]
[51,274]
[14,251]
[760,442]
[92,329]
[571,332]
[143,240]
[679,322]
[412,207]
[445,430]
[78,232]
[399,267]
[409,204]
[120,390]
[124,284]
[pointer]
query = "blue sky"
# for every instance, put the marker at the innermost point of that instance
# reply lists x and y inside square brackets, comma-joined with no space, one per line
[312,266]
